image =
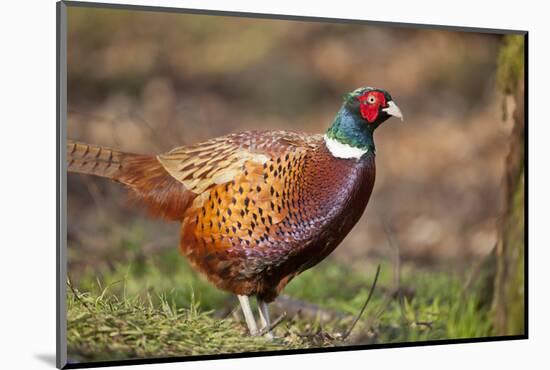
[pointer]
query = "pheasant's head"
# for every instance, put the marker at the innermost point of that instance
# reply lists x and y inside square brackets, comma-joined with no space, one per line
[363,110]
[373,105]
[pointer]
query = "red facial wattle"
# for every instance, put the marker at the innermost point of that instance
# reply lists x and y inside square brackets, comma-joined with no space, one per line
[370,104]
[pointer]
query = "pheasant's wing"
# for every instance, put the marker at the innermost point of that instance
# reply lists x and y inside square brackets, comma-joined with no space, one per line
[246,184]
[217,161]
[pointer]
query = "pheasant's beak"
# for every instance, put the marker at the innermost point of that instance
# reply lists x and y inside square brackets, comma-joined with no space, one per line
[393,110]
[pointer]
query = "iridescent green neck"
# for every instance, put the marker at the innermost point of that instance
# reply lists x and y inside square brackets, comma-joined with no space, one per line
[350,129]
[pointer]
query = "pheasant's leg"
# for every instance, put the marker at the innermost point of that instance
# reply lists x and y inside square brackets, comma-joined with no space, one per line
[264,317]
[248,315]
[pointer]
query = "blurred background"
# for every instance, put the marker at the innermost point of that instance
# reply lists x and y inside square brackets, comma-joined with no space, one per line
[147,82]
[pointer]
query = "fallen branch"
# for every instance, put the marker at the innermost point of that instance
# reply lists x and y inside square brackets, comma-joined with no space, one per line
[310,311]
[273,325]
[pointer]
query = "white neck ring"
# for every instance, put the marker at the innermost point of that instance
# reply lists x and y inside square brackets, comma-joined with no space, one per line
[344,151]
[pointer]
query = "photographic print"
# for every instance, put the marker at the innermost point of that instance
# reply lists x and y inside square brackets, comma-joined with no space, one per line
[240,184]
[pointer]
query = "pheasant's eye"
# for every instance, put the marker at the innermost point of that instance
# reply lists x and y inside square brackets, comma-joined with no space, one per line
[371,99]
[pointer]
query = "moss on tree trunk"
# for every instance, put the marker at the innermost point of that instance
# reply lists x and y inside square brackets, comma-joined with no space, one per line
[508,305]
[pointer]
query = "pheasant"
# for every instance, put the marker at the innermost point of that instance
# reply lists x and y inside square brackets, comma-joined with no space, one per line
[256,208]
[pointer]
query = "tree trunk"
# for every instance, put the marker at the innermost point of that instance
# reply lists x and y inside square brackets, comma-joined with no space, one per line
[508,305]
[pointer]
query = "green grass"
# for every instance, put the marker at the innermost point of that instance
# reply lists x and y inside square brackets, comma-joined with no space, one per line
[107,328]
[158,307]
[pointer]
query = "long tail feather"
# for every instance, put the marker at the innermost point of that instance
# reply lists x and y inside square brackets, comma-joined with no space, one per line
[94,160]
[152,185]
